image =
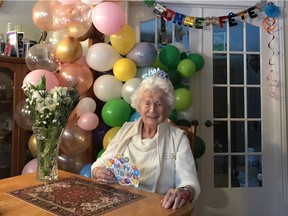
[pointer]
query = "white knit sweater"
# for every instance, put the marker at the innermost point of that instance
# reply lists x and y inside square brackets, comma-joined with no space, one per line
[165,161]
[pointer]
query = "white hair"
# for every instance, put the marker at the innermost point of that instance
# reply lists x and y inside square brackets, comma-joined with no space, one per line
[154,83]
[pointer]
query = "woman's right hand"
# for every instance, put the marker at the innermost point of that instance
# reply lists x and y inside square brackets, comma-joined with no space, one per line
[103,175]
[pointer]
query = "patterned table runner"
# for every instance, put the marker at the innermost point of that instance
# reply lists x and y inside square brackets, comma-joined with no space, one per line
[76,196]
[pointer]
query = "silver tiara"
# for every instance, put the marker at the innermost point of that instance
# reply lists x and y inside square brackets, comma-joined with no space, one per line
[155,73]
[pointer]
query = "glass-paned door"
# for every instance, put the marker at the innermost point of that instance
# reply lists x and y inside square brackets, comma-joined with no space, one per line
[237,112]
[238,119]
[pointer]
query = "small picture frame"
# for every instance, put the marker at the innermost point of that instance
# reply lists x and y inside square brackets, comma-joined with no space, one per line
[11,48]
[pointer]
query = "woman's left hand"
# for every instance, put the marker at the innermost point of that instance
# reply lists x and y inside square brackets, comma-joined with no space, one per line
[175,198]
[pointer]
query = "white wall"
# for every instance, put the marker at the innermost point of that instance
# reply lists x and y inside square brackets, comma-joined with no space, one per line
[19,12]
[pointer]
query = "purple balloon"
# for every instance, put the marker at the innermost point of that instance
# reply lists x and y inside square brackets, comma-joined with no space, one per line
[143,54]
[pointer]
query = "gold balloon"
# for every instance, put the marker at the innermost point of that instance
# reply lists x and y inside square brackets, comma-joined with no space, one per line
[87,34]
[32,145]
[77,29]
[74,139]
[72,163]
[69,50]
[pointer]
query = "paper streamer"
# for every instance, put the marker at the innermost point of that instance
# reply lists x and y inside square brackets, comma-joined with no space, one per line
[269,24]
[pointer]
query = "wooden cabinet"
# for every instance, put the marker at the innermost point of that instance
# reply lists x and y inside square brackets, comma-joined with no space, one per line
[13,138]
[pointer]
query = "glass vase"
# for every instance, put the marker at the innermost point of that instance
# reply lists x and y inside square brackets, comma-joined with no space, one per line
[48,141]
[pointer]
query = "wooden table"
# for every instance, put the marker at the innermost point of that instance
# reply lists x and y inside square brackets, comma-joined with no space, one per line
[10,205]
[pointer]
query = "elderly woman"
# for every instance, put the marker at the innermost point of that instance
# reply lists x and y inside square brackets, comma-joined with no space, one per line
[161,151]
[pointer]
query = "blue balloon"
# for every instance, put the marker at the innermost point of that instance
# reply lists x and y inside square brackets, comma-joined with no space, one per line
[134,117]
[86,170]
[143,54]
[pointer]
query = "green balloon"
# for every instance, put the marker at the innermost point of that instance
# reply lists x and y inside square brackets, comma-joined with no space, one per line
[199,147]
[182,99]
[115,112]
[173,115]
[158,64]
[198,60]
[183,122]
[170,56]
[100,153]
[186,68]
[175,78]
[183,55]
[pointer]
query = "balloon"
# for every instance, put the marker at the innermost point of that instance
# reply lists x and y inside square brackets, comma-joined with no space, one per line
[91,2]
[143,54]
[108,17]
[134,117]
[74,18]
[30,167]
[74,139]
[100,153]
[175,78]
[129,88]
[86,170]
[198,60]
[124,69]
[53,38]
[82,61]
[88,121]
[115,112]
[199,147]
[183,122]
[187,114]
[124,40]
[69,50]
[42,56]
[72,163]
[107,87]
[34,77]
[173,116]
[68,1]
[183,98]
[179,46]
[141,71]
[158,64]
[101,57]
[186,68]
[183,55]
[32,145]
[43,15]
[85,104]
[109,136]
[22,117]
[99,132]
[76,74]
[170,56]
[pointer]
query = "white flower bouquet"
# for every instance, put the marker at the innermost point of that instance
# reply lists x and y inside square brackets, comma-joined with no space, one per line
[50,108]
[50,111]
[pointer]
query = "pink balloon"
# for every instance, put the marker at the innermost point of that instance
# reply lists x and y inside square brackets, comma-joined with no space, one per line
[30,167]
[108,17]
[34,76]
[88,121]
[82,61]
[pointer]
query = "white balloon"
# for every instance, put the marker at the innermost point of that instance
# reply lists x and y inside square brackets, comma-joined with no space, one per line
[107,87]
[91,2]
[179,46]
[187,114]
[102,57]
[85,105]
[129,87]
